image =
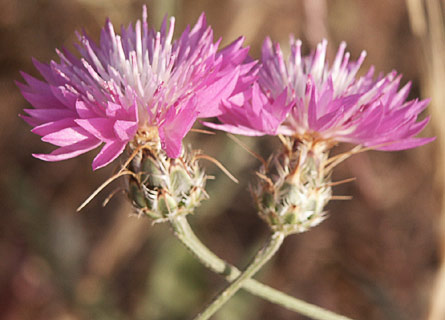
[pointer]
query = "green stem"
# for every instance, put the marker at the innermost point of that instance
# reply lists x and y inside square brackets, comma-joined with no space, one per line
[263,256]
[186,235]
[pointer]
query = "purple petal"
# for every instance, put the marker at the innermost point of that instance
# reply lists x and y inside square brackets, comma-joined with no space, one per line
[65,97]
[49,115]
[35,85]
[44,70]
[42,101]
[312,105]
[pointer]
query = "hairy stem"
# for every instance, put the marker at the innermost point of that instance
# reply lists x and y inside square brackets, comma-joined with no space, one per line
[261,258]
[185,234]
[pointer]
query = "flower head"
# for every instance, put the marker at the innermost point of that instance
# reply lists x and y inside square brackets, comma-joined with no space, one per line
[315,105]
[137,86]
[305,97]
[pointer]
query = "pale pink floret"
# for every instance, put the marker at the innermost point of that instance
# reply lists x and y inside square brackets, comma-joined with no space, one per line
[129,82]
[327,102]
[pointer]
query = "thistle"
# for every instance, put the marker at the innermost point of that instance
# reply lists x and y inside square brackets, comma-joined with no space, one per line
[313,106]
[291,198]
[130,84]
[162,187]
[140,91]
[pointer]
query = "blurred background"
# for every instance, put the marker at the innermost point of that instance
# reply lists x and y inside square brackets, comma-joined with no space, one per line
[378,256]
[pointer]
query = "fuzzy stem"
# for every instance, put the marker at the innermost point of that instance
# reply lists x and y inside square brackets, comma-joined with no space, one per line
[185,234]
[263,256]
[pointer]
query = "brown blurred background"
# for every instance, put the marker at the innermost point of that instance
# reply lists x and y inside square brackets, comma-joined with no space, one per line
[378,256]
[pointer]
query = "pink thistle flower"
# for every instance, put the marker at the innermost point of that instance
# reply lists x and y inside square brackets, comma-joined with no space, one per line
[134,86]
[306,98]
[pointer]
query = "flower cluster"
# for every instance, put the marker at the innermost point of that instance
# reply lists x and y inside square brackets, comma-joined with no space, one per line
[137,86]
[304,97]
[313,106]
[142,85]
[144,90]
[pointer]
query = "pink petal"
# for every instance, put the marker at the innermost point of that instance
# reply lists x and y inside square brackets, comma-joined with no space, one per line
[101,128]
[406,144]
[175,127]
[113,109]
[210,97]
[53,126]
[70,151]
[235,129]
[125,130]
[47,115]
[110,151]
[84,111]
[66,137]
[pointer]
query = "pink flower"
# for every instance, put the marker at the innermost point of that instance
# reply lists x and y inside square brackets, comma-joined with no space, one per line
[306,98]
[128,84]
